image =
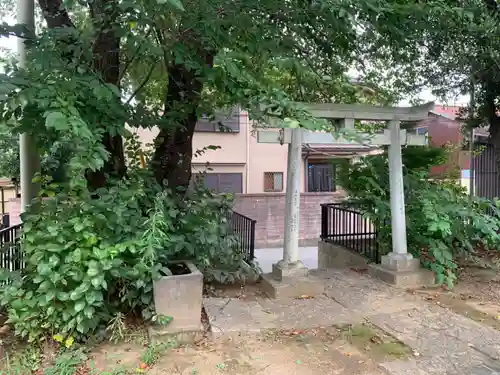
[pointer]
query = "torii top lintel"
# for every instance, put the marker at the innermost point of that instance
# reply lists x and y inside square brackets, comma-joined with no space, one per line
[369,112]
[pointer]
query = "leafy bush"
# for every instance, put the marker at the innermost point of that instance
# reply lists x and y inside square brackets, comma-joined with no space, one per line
[85,261]
[88,260]
[443,222]
[199,230]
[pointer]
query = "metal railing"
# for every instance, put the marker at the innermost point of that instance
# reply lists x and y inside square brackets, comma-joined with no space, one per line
[342,224]
[244,229]
[10,249]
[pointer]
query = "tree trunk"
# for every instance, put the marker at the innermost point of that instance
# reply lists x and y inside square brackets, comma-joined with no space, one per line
[174,144]
[106,63]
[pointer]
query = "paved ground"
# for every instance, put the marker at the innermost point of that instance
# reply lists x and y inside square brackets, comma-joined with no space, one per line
[266,257]
[441,341]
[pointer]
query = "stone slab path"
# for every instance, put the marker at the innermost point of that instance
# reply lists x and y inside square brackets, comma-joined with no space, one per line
[445,343]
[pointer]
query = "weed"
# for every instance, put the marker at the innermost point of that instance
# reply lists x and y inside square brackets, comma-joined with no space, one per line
[24,362]
[66,363]
[155,351]
[117,328]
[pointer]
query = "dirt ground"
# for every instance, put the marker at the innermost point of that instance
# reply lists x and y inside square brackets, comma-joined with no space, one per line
[476,295]
[333,350]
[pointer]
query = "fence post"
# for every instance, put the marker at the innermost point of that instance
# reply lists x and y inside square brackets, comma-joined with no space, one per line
[6,220]
[252,240]
[324,221]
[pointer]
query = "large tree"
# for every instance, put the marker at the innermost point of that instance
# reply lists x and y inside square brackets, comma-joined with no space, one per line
[170,61]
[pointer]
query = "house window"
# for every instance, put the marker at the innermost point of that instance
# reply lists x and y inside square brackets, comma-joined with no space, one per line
[321,177]
[221,123]
[221,182]
[421,131]
[273,181]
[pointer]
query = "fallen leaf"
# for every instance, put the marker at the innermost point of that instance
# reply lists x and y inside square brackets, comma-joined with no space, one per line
[376,340]
[359,270]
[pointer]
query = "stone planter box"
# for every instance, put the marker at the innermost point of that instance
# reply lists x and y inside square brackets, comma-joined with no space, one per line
[179,294]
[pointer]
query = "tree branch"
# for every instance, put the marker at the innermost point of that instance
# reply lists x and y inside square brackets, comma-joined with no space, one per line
[131,60]
[55,14]
[141,86]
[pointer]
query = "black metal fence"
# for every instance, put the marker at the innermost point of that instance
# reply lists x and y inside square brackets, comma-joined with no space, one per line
[10,248]
[344,225]
[484,165]
[244,229]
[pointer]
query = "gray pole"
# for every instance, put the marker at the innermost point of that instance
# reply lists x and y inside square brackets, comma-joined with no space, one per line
[28,153]
[397,195]
[472,105]
[292,199]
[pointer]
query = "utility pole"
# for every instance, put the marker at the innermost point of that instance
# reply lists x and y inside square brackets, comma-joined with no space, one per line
[472,106]
[28,153]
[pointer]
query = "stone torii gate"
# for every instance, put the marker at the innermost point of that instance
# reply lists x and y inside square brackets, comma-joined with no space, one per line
[290,276]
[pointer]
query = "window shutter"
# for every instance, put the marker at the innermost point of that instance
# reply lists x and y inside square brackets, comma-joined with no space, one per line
[203,125]
[223,122]
[231,122]
[230,183]
[212,181]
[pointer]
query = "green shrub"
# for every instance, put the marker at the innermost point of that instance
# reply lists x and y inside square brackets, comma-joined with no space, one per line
[85,260]
[88,260]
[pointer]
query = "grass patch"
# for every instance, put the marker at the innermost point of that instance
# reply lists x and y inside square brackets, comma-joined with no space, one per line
[368,338]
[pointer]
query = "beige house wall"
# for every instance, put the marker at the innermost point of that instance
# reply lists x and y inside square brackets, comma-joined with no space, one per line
[266,157]
[238,153]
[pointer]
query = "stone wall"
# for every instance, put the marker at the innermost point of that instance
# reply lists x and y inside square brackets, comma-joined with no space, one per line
[269,211]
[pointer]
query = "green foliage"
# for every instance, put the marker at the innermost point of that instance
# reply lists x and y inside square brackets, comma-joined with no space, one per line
[197,230]
[85,261]
[92,256]
[52,162]
[90,261]
[443,223]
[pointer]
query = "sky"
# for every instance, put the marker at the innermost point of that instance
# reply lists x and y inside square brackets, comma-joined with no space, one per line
[425,95]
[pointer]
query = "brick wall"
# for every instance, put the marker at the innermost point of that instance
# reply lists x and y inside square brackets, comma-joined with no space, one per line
[269,211]
[13,207]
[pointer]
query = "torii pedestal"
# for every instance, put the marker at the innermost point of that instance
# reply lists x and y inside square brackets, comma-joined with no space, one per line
[290,277]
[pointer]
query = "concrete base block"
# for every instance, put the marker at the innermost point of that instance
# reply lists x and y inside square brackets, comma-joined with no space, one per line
[404,279]
[290,287]
[400,262]
[165,334]
[180,297]
[336,256]
[283,270]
